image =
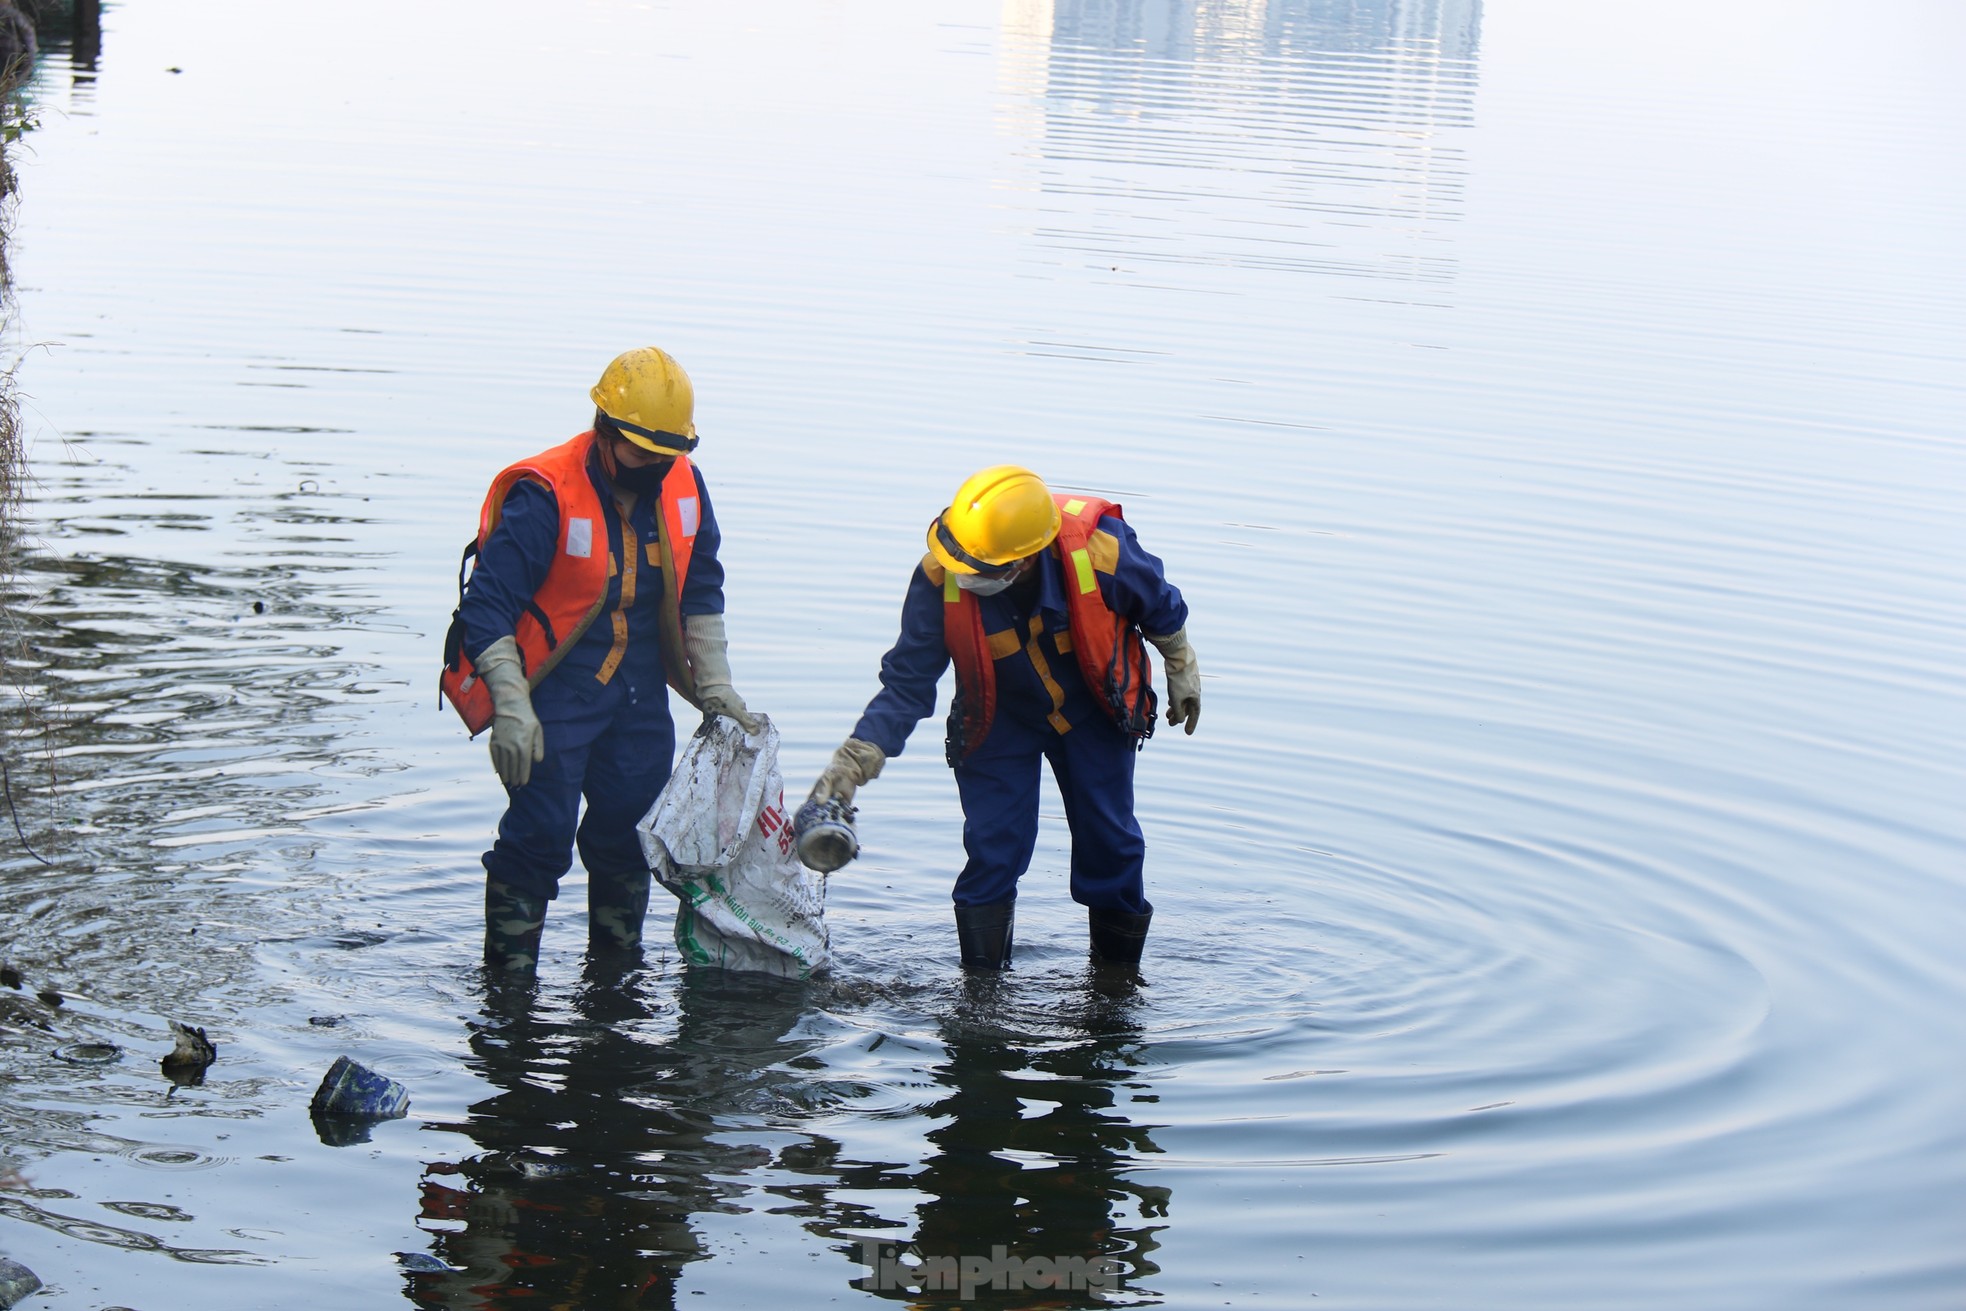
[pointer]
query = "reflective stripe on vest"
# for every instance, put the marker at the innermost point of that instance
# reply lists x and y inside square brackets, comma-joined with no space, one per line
[1082,570]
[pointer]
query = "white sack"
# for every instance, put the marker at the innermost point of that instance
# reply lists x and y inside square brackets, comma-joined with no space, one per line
[719,837]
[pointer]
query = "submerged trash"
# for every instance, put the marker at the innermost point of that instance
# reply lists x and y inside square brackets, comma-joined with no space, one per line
[16,1282]
[423,1263]
[825,833]
[357,1092]
[89,1053]
[191,1049]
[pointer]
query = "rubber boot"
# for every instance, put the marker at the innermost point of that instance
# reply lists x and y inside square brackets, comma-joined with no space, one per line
[616,906]
[513,923]
[984,934]
[1118,935]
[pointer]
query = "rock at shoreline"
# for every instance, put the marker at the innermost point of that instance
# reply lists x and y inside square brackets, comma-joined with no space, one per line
[16,1282]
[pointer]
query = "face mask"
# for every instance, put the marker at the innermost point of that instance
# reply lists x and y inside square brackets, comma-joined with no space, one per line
[982,586]
[645,481]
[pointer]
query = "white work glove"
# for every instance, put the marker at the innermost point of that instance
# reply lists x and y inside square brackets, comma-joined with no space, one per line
[517,740]
[1183,678]
[709,661]
[853,766]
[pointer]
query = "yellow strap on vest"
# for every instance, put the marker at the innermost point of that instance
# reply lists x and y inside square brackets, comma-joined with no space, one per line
[619,650]
[1082,564]
[950,592]
[1058,722]
[1073,507]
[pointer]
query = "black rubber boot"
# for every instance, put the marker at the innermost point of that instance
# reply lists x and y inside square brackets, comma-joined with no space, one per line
[616,906]
[1118,935]
[984,933]
[513,923]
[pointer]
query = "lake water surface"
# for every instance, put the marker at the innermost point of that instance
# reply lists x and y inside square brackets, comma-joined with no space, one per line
[1552,412]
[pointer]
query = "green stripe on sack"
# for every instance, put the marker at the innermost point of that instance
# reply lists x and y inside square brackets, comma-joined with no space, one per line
[686,937]
[1083,563]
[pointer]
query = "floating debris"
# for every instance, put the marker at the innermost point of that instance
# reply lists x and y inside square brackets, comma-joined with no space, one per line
[89,1053]
[423,1263]
[191,1049]
[355,1091]
[325,1021]
[356,939]
[546,1169]
[16,1282]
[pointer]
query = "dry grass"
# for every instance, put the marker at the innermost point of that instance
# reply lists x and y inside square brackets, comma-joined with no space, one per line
[13,453]
[23,720]
[12,450]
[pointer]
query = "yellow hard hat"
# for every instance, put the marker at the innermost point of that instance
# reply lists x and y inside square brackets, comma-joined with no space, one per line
[999,516]
[649,397]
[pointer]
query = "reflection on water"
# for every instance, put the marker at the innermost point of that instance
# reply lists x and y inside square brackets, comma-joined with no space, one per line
[1304,29]
[69,35]
[600,1142]
[1270,136]
[85,39]
[184,703]
[621,1118]
[1034,1145]
[174,726]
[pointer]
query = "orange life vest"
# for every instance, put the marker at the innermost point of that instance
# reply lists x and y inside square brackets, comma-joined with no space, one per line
[1109,649]
[576,584]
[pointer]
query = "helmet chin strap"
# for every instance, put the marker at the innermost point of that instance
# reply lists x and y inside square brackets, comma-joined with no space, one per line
[671,443]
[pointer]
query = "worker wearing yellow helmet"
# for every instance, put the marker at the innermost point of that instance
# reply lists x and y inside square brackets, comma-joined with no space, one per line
[1044,603]
[597,583]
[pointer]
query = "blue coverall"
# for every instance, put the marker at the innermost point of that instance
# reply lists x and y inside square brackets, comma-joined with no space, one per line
[1091,759]
[608,737]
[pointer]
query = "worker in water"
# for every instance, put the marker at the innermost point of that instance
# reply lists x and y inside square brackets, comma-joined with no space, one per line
[1041,602]
[597,582]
